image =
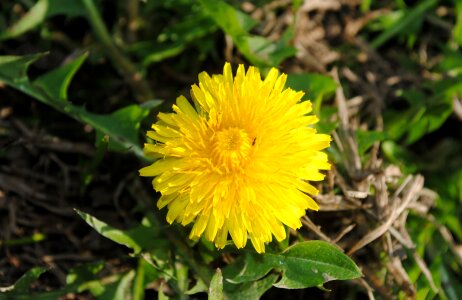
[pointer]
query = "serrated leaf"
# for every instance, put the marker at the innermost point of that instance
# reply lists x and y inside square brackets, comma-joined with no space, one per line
[303,265]
[124,122]
[15,67]
[56,82]
[216,286]
[138,238]
[122,126]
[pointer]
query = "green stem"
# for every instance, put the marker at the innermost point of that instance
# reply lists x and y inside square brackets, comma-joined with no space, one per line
[173,235]
[138,283]
[123,64]
[186,252]
[35,238]
[132,15]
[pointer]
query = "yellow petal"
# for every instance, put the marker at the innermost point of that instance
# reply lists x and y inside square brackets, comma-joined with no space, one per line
[239,160]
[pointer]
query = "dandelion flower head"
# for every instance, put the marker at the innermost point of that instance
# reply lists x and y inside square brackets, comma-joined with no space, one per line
[239,160]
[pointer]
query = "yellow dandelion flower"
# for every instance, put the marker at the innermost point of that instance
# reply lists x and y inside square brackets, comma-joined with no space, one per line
[239,160]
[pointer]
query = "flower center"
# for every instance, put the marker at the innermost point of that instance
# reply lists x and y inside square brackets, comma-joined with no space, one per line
[231,148]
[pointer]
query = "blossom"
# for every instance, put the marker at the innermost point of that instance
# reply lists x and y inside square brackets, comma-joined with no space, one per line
[240,160]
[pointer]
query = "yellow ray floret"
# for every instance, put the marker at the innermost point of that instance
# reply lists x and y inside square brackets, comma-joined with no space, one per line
[237,162]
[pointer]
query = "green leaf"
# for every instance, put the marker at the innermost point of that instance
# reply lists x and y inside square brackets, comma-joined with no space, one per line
[160,260]
[150,272]
[151,104]
[83,273]
[407,21]
[227,18]
[246,21]
[119,289]
[161,295]
[124,123]
[39,12]
[258,50]
[272,53]
[109,232]
[451,62]
[250,290]
[327,124]
[25,281]
[199,287]
[216,286]
[400,156]
[457,29]
[175,38]
[316,86]
[15,67]
[314,263]
[122,126]
[367,138]
[431,119]
[181,272]
[426,113]
[56,82]
[88,172]
[249,267]
[397,122]
[83,278]
[137,238]
[139,282]
[33,18]
[78,280]
[71,8]
[303,265]
[365,5]
[160,52]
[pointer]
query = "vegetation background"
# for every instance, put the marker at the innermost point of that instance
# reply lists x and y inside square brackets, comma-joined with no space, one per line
[82,80]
